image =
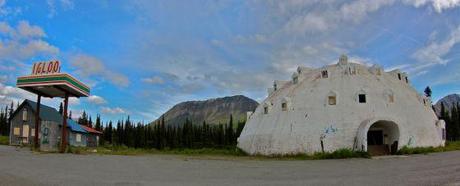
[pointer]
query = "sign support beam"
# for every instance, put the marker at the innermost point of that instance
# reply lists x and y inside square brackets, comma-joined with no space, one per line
[64,123]
[37,122]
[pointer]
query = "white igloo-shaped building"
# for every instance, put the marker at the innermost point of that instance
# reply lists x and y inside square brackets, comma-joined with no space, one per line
[345,105]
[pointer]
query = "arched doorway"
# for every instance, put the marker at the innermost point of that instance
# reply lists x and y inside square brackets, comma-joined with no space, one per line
[383,138]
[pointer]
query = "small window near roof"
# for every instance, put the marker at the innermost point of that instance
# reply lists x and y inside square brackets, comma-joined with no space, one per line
[324,74]
[332,100]
[362,98]
[284,106]
[24,115]
[391,98]
[78,137]
[265,110]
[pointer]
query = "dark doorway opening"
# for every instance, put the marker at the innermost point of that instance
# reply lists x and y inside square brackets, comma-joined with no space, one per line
[375,137]
[382,138]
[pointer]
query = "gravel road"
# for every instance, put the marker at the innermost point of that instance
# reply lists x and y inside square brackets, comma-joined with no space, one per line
[22,167]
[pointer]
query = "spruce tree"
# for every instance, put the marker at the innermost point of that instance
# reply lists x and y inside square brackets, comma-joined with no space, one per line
[61,109]
[428,91]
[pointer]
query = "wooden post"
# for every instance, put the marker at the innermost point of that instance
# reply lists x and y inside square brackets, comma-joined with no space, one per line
[37,122]
[64,124]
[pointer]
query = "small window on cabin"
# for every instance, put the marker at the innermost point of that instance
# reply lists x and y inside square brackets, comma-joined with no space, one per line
[24,115]
[17,131]
[399,76]
[332,100]
[78,137]
[407,80]
[362,98]
[265,110]
[324,74]
[284,106]
[391,98]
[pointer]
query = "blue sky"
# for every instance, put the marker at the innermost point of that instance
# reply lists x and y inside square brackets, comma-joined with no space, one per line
[141,57]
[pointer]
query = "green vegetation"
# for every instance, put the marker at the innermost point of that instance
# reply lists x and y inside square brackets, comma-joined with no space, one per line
[452,119]
[123,150]
[338,154]
[4,117]
[225,152]
[4,140]
[450,146]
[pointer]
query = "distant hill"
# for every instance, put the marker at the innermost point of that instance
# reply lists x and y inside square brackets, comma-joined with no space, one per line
[449,101]
[213,111]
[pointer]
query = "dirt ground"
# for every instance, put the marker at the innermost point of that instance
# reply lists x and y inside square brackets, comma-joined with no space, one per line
[22,167]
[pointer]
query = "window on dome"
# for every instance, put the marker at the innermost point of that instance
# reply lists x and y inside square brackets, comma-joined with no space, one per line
[284,106]
[332,100]
[391,98]
[362,98]
[295,80]
[324,74]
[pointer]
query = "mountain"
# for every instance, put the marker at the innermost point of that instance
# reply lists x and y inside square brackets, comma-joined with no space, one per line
[449,101]
[213,111]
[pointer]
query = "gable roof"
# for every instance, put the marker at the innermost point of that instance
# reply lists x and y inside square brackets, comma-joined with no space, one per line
[91,130]
[49,114]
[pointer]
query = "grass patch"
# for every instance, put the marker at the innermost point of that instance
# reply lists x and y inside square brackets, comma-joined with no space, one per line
[226,152]
[450,146]
[4,140]
[122,150]
[338,154]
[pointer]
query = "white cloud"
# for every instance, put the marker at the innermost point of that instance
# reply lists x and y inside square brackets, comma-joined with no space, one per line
[438,5]
[116,110]
[96,100]
[434,53]
[23,42]
[9,94]
[54,5]
[153,80]
[91,66]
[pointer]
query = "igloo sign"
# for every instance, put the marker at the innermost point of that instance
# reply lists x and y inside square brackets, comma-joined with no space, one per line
[42,68]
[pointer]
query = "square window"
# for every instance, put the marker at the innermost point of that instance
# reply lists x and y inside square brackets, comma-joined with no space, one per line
[17,131]
[332,100]
[324,74]
[24,115]
[284,106]
[78,138]
[391,98]
[362,98]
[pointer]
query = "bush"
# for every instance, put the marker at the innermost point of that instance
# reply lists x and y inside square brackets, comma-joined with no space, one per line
[4,140]
[338,154]
[450,146]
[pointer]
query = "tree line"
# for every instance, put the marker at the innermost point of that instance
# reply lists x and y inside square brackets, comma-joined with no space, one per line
[452,119]
[4,120]
[160,135]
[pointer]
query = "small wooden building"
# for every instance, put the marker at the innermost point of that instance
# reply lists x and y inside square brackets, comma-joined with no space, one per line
[22,128]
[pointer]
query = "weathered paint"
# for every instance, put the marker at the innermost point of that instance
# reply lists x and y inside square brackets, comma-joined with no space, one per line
[310,120]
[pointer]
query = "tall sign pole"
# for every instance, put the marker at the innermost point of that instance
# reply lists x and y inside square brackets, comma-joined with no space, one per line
[64,123]
[37,121]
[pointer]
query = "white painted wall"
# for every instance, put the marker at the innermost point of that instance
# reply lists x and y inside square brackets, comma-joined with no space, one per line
[344,125]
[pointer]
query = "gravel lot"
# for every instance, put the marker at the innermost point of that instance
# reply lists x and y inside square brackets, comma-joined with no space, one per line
[22,167]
